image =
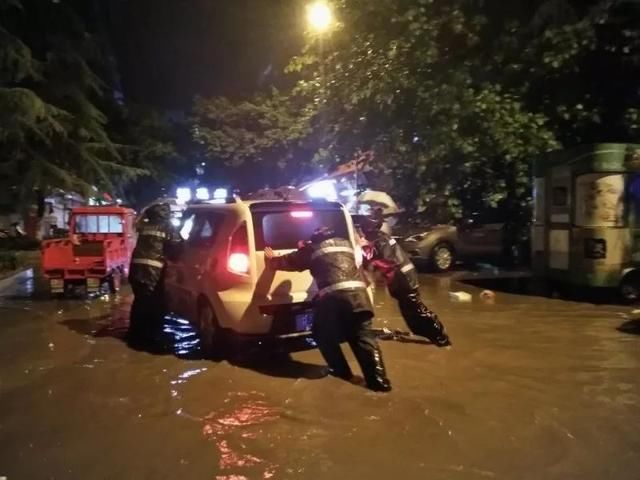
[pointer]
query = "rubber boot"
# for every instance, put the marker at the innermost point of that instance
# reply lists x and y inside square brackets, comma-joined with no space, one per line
[438,334]
[374,371]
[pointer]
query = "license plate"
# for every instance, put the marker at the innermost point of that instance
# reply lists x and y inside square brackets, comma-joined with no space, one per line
[93,282]
[304,321]
[56,285]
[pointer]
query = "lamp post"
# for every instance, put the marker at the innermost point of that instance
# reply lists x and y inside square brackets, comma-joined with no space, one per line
[320,20]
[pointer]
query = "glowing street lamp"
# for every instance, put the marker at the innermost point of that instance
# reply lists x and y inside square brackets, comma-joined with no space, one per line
[319,16]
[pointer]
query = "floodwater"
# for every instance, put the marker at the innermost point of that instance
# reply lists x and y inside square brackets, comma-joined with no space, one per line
[533,389]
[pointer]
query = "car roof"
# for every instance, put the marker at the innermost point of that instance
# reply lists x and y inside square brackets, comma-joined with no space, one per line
[256,205]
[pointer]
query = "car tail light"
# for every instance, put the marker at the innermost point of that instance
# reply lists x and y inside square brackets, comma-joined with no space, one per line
[238,263]
[302,214]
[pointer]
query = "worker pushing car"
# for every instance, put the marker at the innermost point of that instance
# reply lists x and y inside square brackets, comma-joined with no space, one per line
[385,255]
[342,308]
[157,240]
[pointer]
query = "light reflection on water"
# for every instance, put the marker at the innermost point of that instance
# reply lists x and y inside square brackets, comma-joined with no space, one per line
[178,336]
[234,432]
[183,337]
[182,378]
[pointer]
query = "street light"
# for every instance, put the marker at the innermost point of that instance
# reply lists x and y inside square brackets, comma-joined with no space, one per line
[320,20]
[319,16]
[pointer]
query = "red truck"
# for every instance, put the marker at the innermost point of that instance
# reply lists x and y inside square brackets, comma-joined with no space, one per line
[97,251]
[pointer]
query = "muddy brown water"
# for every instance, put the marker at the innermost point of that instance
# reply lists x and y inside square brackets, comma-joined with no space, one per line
[533,389]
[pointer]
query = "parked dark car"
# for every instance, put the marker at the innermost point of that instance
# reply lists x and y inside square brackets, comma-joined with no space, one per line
[487,236]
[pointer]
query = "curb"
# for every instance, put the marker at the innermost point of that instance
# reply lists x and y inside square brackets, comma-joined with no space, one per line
[16,279]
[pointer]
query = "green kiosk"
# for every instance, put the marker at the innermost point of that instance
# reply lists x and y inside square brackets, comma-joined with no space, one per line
[586,229]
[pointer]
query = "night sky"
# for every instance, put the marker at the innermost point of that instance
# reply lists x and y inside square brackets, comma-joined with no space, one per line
[170,50]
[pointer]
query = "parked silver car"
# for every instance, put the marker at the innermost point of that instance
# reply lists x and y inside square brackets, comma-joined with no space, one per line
[478,237]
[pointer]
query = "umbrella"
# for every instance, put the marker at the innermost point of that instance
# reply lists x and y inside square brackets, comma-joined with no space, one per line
[377,199]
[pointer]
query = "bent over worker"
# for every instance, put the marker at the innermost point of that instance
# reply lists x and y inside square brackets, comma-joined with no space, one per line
[385,255]
[342,308]
[156,239]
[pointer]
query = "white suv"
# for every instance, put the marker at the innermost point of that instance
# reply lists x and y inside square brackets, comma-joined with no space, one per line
[219,282]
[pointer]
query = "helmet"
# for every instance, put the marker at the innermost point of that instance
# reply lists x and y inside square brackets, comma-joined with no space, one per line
[159,211]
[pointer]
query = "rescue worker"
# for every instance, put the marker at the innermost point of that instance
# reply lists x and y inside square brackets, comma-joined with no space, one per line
[342,308]
[385,255]
[156,241]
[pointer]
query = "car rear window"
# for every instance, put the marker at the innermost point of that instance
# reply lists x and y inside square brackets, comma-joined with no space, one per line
[282,230]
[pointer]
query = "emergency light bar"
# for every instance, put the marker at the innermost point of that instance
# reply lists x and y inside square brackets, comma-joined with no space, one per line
[202,193]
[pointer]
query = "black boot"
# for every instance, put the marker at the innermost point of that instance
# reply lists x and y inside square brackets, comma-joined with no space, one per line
[375,373]
[438,335]
[422,321]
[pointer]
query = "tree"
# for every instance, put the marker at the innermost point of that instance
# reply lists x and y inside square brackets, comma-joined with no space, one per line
[263,136]
[157,144]
[52,133]
[574,64]
[407,80]
[454,106]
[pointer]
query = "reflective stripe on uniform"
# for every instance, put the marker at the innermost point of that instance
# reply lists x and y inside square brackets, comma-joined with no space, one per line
[327,250]
[152,233]
[407,268]
[342,286]
[148,262]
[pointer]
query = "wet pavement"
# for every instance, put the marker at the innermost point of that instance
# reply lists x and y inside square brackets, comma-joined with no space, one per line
[533,388]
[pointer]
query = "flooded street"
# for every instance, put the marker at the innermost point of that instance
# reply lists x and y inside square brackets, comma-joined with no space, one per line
[533,388]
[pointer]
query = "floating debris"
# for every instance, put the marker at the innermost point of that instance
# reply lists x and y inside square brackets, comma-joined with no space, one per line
[461,297]
[487,296]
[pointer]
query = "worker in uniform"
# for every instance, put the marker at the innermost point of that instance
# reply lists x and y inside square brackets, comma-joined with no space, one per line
[342,307]
[156,240]
[386,256]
